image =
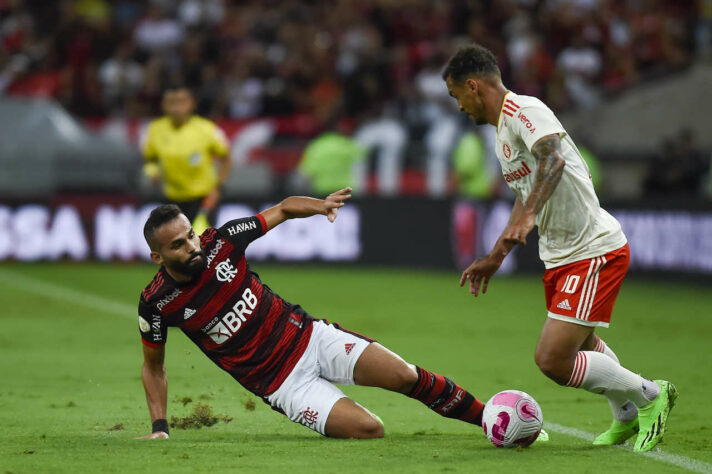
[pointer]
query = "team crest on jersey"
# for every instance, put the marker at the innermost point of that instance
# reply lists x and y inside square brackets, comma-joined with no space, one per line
[310,416]
[224,271]
[507,150]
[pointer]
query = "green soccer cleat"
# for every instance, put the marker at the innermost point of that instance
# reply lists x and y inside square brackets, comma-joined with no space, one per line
[653,417]
[618,433]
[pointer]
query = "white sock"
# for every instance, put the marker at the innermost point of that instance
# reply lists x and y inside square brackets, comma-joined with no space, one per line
[597,373]
[623,409]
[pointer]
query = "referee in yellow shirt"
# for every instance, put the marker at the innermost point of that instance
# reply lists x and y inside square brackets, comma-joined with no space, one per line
[182,151]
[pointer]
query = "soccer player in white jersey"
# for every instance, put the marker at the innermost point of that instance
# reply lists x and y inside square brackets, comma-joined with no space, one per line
[584,250]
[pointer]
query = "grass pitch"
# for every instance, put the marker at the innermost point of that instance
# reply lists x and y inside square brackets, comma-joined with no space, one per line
[71,398]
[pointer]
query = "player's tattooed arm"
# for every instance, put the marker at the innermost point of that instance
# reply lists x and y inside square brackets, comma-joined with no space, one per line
[550,168]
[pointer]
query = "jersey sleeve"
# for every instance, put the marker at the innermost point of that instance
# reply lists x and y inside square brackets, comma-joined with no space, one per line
[532,123]
[241,232]
[218,141]
[152,327]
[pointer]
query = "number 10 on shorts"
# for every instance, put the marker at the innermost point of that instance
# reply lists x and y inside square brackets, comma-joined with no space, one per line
[570,284]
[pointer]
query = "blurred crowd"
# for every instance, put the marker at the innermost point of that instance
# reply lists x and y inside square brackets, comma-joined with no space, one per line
[350,57]
[371,65]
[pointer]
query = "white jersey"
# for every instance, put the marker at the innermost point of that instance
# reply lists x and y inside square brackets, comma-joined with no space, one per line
[572,224]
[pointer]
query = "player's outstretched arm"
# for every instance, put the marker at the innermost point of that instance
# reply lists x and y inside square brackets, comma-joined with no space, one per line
[153,375]
[550,169]
[300,206]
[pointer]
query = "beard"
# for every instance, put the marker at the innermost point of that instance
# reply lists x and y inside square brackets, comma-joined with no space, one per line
[191,268]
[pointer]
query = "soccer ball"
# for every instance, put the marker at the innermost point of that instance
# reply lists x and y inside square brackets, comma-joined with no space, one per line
[512,418]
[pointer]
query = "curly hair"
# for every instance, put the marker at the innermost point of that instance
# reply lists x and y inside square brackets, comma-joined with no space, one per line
[474,60]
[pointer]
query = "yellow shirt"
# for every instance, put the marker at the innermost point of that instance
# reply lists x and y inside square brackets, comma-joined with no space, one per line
[185,156]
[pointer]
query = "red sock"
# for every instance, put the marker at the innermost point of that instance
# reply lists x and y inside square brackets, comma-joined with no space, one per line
[446,398]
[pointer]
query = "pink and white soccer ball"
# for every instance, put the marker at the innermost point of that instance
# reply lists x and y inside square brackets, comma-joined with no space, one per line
[512,418]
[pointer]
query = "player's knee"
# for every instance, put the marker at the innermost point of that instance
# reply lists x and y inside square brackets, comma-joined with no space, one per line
[367,427]
[404,378]
[552,366]
[370,428]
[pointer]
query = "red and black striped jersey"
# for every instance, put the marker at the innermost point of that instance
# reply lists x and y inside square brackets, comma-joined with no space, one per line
[235,319]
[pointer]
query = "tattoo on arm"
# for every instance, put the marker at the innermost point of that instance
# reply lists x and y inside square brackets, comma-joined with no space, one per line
[548,173]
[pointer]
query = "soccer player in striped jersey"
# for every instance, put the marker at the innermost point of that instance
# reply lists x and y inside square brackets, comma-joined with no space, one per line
[273,348]
[584,250]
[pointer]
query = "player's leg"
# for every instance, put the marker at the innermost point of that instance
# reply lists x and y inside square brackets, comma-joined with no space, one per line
[349,358]
[598,373]
[574,310]
[558,357]
[558,347]
[348,419]
[625,413]
[380,367]
[306,398]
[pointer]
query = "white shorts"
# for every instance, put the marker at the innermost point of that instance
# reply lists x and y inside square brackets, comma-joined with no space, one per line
[307,395]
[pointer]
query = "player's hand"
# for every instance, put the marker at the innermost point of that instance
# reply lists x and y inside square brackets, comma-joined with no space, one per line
[517,232]
[479,273]
[211,200]
[334,201]
[155,435]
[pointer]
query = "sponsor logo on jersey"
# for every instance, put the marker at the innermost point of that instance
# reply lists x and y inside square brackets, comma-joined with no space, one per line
[219,333]
[527,123]
[220,329]
[349,347]
[156,327]
[143,325]
[189,313]
[167,299]
[506,150]
[310,416]
[214,252]
[241,227]
[517,174]
[224,271]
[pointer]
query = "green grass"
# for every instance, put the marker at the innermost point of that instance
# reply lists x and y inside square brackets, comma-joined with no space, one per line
[69,371]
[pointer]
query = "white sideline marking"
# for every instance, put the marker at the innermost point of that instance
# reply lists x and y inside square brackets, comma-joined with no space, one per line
[104,305]
[69,295]
[679,461]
